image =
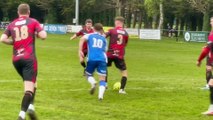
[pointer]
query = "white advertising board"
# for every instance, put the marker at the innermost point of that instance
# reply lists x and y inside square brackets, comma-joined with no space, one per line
[73,28]
[150,34]
[132,31]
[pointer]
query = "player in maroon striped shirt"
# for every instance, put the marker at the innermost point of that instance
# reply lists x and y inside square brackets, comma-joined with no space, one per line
[86,30]
[208,51]
[23,32]
[209,64]
[117,44]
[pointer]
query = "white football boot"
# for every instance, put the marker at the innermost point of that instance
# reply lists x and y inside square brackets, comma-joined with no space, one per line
[206,87]
[122,91]
[209,111]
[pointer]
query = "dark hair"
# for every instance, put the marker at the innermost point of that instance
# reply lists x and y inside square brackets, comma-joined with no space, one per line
[23,9]
[98,27]
[120,18]
[88,21]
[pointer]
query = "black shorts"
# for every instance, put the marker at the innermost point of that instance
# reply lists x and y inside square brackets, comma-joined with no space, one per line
[119,63]
[207,61]
[27,69]
[85,52]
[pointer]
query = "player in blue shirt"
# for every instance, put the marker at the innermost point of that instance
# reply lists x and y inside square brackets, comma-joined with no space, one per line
[97,58]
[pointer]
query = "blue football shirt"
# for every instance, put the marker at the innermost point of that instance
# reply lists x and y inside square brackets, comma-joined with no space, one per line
[97,47]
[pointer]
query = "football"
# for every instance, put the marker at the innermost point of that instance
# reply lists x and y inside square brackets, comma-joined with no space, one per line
[117,86]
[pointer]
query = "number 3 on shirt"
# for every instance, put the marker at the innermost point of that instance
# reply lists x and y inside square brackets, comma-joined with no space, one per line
[120,39]
[21,33]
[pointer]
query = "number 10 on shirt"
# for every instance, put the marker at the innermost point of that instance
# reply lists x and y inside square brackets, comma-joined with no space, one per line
[97,43]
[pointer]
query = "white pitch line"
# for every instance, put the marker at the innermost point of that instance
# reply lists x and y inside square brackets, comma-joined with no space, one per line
[8,81]
[68,90]
[141,79]
[76,90]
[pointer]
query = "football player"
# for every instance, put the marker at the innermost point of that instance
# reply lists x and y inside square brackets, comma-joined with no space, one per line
[23,32]
[97,59]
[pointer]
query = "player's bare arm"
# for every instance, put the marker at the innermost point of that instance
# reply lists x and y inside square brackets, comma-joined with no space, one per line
[198,63]
[203,54]
[42,35]
[73,37]
[5,39]
[81,54]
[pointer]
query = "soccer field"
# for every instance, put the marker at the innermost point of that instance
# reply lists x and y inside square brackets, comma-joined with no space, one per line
[164,83]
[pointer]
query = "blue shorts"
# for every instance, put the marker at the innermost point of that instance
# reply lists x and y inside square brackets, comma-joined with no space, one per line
[99,65]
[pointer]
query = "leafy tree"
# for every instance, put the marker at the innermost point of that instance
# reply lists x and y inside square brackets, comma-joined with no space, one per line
[203,6]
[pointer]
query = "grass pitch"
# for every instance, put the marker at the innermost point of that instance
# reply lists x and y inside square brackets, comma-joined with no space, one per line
[163,83]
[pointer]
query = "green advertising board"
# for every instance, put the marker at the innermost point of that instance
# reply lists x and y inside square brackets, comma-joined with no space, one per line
[196,36]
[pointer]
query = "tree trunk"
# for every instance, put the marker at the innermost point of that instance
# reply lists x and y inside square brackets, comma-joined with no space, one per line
[135,19]
[112,13]
[177,25]
[206,26]
[193,23]
[161,16]
[150,23]
[1,15]
[156,22]
[140,20]
[118,7]
[199,22]
[52,16]
[129,17]
[182,22]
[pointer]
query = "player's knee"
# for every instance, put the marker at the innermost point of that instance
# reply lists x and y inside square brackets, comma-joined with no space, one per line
[29,85]
[208,68]
[102,77]
[211,82]
[124,73]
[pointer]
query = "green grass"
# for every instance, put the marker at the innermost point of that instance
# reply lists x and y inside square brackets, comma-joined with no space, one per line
[163,84]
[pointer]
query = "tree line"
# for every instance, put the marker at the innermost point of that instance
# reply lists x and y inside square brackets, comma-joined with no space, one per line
[191,15]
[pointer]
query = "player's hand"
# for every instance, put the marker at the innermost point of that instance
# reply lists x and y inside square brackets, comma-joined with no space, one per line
[198,63]
[72,38]
[81,56]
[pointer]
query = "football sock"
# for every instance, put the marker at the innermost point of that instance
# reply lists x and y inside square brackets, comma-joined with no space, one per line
[123,82]
[102,88]
[106,77]
[25,103]
[33,99]
[211,94]
[91,80]
[31,106]
[210,107]
[83,64]
[208,76]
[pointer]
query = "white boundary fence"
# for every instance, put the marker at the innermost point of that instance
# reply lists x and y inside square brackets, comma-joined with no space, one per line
[152,34]
[73,28]
[143,34]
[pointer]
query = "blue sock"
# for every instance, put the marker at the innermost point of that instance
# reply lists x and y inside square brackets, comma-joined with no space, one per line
[102,83]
